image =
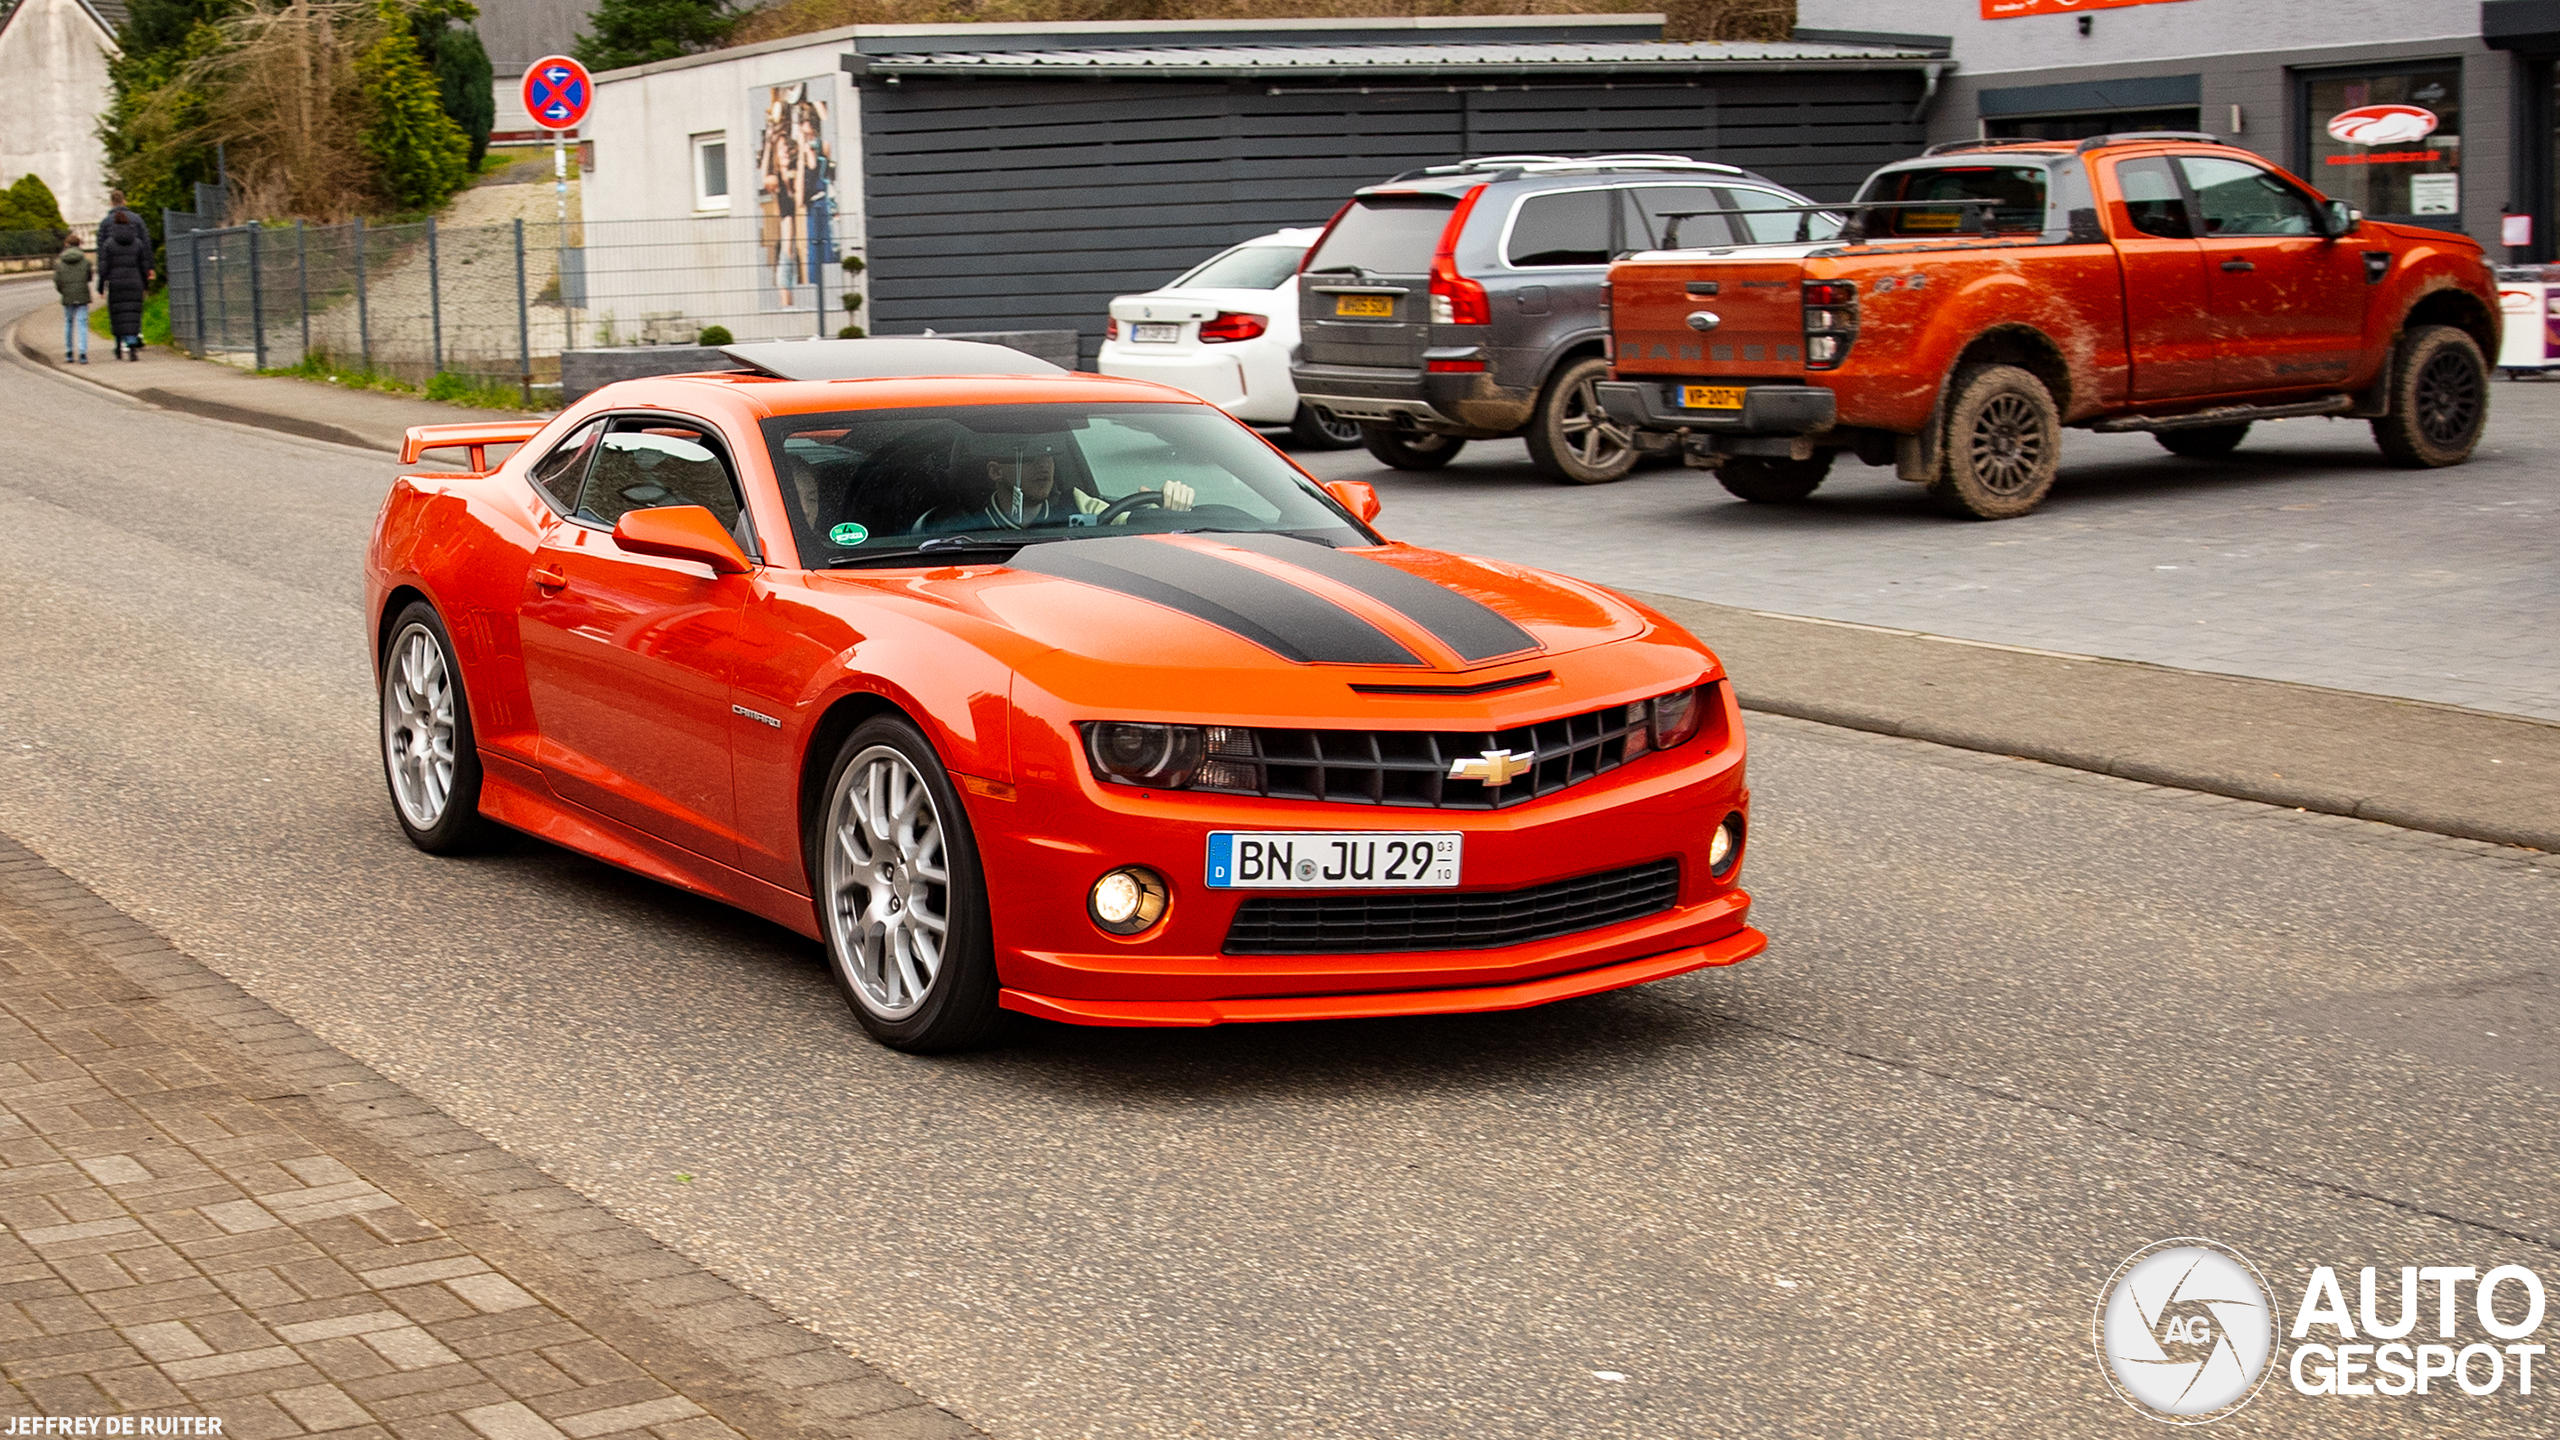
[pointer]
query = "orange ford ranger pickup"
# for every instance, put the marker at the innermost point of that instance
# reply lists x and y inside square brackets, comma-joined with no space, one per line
[1985,295]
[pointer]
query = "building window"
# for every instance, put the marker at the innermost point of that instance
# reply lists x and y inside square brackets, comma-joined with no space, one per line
[2388,141]
[711,171]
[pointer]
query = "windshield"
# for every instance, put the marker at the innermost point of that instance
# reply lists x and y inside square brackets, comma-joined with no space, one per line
[2017,189]
[1247,267]
[1385,235]
[879,486]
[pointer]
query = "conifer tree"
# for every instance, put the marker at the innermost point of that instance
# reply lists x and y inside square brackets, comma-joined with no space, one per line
[635,32]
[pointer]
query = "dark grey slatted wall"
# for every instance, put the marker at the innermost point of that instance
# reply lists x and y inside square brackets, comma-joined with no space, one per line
[1029,204]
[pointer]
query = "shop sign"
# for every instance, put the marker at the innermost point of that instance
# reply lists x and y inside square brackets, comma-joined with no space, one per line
[2382,125]
[2021,9]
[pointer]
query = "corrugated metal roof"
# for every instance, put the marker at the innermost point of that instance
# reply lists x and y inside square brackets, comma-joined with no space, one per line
[1314,61]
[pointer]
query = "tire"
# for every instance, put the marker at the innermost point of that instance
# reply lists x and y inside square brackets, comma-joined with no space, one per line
[1316,428]
[1765,480]
[2204,442]
[2003,444]
[429,758]
[901,899]
[2439,400]
[1570,437]
[1410,449]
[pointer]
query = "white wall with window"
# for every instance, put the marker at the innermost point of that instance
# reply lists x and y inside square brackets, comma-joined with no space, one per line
[711,171]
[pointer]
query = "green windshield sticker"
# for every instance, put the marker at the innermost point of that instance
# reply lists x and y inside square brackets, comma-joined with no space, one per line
[848,534]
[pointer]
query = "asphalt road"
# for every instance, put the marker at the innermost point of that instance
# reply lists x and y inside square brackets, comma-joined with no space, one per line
[2015,1022]
[2302,557]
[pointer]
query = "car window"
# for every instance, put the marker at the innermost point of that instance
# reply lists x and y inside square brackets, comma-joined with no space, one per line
[1385,235]
[1646,222]
[644,462]
[876,483]
[1247,267]
[1568,227]
[2241,199]
[1780,224]
[2153,200]
[2017,189]
[557,474]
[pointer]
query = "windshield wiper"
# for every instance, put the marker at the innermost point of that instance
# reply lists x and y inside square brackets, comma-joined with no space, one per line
[1356,272]
[944,549]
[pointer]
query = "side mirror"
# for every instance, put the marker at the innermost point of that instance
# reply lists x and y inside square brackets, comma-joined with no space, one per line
[2343,218]
[1356,496]
[681,532]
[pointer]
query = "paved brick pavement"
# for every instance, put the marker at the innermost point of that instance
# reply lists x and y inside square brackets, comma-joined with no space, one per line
[206,1211]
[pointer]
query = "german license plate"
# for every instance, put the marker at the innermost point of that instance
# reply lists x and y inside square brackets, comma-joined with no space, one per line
[1368,307]
[1712,397]
[1156,334]
[1331,860]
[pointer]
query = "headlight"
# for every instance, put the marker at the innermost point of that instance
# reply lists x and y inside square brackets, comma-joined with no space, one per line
[1160,757]
[1127,900]
[1666,720]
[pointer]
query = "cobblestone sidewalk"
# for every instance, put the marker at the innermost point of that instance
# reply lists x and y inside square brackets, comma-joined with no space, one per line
[194,1228]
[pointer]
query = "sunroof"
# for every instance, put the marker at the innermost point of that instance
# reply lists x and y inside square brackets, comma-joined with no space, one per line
[884,358]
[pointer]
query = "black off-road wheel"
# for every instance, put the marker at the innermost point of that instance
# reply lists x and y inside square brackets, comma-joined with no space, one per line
[1571,438]
[901,898]
[428,753]
[1767,480]
[2439,400]
[1410,449]
[2003,444]
[2204,442]
[1316,428]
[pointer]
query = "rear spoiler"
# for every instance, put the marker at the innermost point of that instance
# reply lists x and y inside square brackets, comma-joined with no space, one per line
[476,438]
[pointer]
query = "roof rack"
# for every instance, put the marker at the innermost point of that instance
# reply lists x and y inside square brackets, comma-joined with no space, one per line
[1957,147]
[2131,137]
[1566,164]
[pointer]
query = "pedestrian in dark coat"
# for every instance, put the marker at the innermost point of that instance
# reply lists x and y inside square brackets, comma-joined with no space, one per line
[124,275]
[71,281]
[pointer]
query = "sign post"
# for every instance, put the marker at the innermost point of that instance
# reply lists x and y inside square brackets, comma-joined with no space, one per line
[557,93]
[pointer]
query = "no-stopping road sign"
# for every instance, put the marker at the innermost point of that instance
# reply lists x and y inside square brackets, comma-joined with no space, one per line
[557,92]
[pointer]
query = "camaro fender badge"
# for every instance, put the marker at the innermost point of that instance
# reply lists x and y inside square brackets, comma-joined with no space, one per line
[758,716]
[1496,768]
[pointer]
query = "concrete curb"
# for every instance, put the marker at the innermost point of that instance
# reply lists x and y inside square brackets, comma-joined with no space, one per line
[731,1353]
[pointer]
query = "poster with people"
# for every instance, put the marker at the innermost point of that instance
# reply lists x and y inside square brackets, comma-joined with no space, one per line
[795,172]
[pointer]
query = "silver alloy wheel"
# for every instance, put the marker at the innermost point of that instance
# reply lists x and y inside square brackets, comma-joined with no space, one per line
[888,879]
[418,726]
[1335,428]
[1594,439]
[2008,445]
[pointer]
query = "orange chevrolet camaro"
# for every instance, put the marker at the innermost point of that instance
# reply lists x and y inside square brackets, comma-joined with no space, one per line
[1046,692]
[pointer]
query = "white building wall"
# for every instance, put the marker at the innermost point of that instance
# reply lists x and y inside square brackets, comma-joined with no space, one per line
[2174,30]
[643,126]
[53,68]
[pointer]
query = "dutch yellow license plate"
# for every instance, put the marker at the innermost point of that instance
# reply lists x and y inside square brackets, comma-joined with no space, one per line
[1367,307]
[1712,397]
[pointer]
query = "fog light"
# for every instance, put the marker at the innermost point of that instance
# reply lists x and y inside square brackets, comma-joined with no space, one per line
[1725,846]
[1127,900]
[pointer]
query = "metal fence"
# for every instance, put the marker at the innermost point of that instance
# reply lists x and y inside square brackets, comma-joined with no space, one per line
[492,303]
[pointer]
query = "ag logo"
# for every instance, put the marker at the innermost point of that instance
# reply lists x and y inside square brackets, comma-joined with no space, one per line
[2185,1330]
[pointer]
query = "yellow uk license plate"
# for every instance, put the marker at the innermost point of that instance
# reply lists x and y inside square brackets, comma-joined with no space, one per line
[1712,397]
[1368,307]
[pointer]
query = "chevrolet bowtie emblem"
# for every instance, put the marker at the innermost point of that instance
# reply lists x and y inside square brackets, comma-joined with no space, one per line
[1496,768]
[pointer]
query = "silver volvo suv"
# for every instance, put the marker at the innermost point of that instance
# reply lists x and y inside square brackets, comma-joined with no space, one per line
[1463,302]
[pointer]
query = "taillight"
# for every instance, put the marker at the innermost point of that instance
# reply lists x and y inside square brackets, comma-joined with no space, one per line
[1111,328]
[1233,325]
[1830,322]
[1455,299]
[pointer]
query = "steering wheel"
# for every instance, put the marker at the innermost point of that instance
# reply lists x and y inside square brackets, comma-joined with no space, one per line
[1127,503]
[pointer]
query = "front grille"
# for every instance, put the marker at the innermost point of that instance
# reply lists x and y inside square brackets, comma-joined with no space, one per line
[1451,920]
[1411,767]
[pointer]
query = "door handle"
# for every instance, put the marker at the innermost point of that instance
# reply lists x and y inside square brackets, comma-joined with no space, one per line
[549,579]
[2234,267]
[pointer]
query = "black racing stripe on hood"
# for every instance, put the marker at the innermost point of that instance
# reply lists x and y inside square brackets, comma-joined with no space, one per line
[1464,624]
[1272,613]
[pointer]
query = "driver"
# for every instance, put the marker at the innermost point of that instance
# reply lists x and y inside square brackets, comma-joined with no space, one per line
[1025,493]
